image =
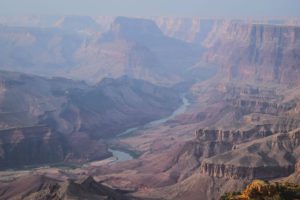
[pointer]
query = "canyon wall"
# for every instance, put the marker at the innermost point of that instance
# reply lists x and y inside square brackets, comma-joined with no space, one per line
[35,111]
[195,30]
[192,30]
[30,146]
[257,52]
[268,158]
[234,136]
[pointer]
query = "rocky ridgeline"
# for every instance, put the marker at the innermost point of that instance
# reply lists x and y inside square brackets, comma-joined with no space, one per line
[42,187]
[195,30]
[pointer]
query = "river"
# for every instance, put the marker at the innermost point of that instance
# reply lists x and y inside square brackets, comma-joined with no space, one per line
[124,156]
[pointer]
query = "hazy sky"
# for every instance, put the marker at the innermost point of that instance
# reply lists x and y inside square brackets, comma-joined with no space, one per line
[219,8]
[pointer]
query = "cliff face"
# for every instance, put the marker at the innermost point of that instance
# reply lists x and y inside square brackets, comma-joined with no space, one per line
[192,30]
[30,146]
[237,172]
[271,157]
[93,48]
[234,136]
[137,48]
[256,52]
[196,30]
[251,132]
[81,48]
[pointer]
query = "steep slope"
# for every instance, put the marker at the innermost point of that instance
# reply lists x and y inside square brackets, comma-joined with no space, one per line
[79,47]
[138,48]
[267,158]
[115,105]
[244,131]
[256,52]
[192,30]
[71,118]
[196,30]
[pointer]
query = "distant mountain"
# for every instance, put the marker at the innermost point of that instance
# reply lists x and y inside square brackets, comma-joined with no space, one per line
[84,25]
[138,48]
[29,20]
[196,30]
[78,48]
[45,51]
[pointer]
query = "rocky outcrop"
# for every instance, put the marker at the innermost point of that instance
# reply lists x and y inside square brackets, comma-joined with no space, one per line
[234,136]
[30,146]
[237,172]
[259,189]
[188,158]
[249,99]
[43,188]
[256,52]
[271,157]
[71,189]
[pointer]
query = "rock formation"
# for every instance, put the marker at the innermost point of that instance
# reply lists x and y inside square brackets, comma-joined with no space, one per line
[42,188]
[256,52]
[30,146]
[271,157]
[242,124]
[59,120]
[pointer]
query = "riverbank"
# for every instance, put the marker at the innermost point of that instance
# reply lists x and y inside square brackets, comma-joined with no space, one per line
[122,153]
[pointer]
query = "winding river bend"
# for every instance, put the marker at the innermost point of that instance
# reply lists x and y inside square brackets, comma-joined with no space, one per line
[124,156]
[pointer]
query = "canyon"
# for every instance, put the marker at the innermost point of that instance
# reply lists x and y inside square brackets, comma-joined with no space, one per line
[241,120]
[65,120]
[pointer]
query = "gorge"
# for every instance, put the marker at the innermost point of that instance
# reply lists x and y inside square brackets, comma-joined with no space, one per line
[191,108]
